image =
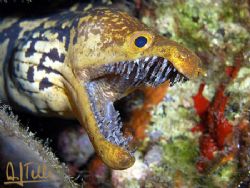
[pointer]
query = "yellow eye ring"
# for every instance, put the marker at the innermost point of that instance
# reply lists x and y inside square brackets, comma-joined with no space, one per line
[140,40]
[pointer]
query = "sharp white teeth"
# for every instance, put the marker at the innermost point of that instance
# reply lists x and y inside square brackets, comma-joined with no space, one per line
[148,66]
[154,58]
[124,66]
[131,66]
[159,73]
[183,79]
[165,62]
[117,141]
[158,79]
[177,78]
[120,68]
[111,139]
[117,134]
[116,65]
[140,71]
[137,61]
[172,79]
[111,68]
[168,71]
[130,138]
[109,111]
[109,124]
[156,69]
[146,59]
[137,72]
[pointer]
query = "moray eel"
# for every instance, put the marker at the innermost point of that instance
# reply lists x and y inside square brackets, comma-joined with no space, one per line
[76,64]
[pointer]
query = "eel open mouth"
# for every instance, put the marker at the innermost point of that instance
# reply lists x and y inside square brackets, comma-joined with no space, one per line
[113,81]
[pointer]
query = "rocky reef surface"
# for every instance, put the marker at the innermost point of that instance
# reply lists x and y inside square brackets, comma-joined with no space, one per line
[198,135]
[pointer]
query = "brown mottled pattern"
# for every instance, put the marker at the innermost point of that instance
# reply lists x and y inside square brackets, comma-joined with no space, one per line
[113,25]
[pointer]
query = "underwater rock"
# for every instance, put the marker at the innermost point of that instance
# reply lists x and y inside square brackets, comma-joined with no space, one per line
[74,147]
[154,156]
[99,174]
[198,125]
[132,177]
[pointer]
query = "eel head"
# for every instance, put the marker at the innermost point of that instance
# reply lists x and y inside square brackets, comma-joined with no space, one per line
[111,55]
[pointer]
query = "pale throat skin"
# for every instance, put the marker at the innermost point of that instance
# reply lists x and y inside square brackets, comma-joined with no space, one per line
[83,76]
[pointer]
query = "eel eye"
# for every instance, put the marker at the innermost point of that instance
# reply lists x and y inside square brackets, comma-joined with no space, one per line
[141,41]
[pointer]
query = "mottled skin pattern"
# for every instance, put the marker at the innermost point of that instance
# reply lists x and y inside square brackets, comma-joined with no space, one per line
[47,63]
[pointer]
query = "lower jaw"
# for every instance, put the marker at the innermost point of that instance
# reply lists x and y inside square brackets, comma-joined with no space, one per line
[79,96]
[112,154]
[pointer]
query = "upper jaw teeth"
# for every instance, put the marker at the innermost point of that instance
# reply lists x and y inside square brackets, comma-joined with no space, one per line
[149,70]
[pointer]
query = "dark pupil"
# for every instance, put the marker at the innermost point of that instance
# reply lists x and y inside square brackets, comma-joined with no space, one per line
[140,42]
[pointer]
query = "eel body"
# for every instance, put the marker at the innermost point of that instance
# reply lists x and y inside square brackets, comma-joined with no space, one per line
[77,63]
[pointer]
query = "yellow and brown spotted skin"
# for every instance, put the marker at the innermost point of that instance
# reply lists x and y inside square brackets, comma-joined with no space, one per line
[47,65]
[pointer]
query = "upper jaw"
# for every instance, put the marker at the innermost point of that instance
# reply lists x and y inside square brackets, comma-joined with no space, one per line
[147,71]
